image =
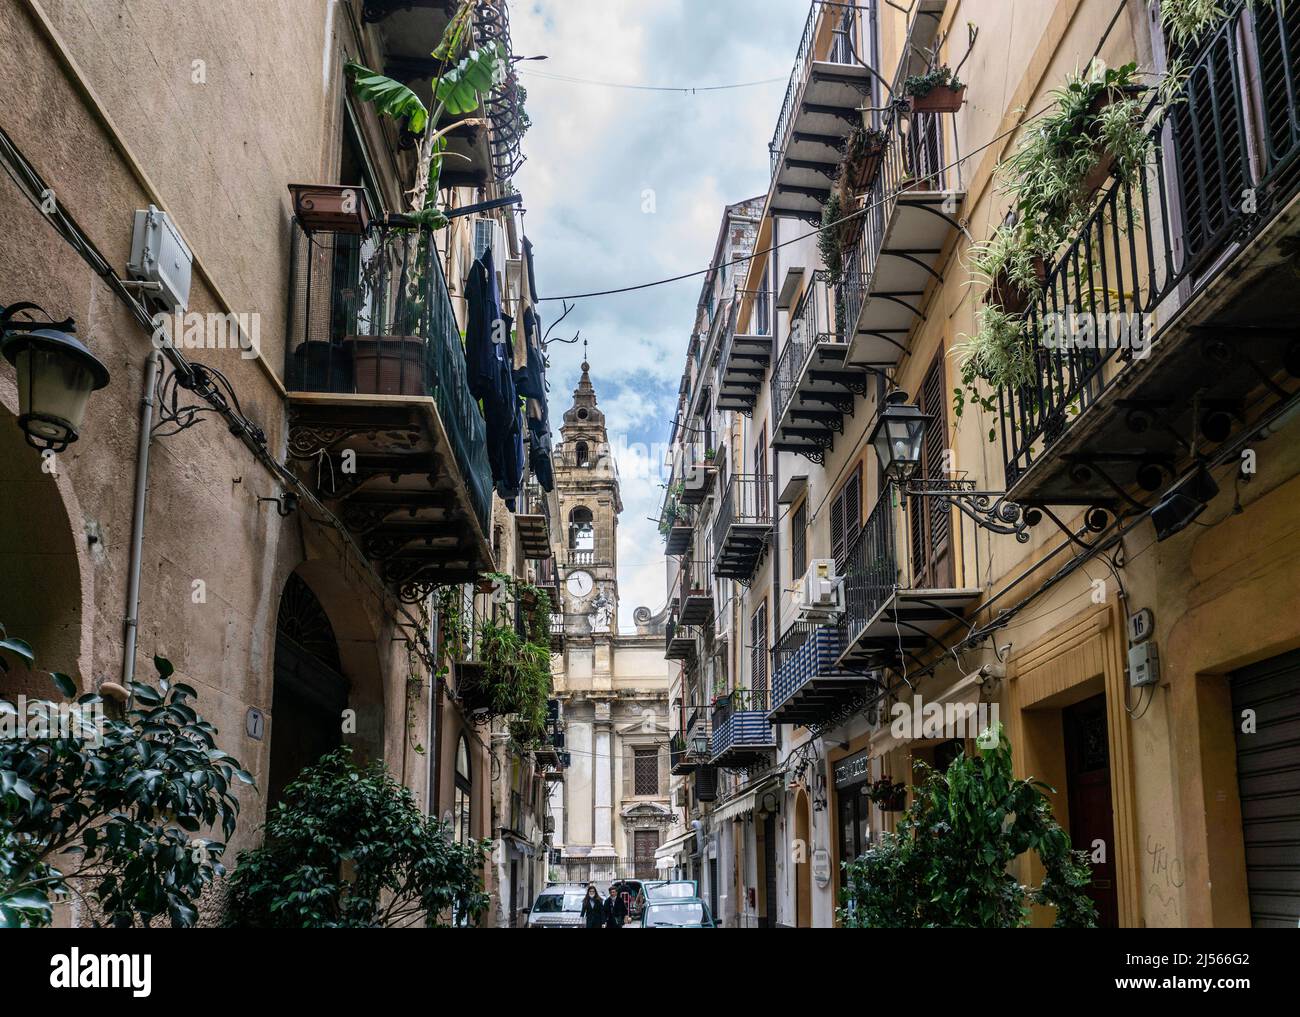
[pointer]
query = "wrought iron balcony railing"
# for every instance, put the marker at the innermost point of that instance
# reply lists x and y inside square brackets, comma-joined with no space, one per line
[915,176]
[746,353]
[1223,166]
[742,735]
[818,320]
[371,314]
[830,35]
[742,525]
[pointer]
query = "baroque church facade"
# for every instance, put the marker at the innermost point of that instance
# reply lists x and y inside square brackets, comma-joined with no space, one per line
[612,810]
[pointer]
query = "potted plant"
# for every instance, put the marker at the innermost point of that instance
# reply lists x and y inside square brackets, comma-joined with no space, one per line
[935,91]
[1013,265]
[887,795]
[863,154]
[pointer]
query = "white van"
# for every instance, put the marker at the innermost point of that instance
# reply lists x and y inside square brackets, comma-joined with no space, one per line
[558,907]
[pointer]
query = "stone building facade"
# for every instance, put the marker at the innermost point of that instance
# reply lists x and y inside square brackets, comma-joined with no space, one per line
[611,812]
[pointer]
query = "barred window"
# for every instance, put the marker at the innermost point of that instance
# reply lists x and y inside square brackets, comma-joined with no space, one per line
[646,771]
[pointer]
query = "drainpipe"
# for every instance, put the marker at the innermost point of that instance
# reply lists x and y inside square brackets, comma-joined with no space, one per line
[136,553]
[775,613]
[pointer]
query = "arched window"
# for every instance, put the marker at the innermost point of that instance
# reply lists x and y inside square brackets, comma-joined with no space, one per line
[582,530]
[464,785]
[580,454]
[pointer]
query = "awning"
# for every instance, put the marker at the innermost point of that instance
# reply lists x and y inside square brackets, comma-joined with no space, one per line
[744,803]
[965,692]
[669,851]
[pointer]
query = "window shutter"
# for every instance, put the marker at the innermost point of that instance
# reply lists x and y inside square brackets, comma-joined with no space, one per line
[629,772]
[930,519]
[846,520]
[663,769]
[758,656]
[838,551]
[799,540]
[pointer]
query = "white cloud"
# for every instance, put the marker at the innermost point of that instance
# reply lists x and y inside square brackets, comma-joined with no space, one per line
[592,153]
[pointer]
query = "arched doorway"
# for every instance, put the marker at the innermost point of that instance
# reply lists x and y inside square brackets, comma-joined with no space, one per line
[803,869]
[41,577]
[310,692]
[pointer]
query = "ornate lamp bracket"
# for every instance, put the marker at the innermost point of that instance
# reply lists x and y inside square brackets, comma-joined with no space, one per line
[989,510]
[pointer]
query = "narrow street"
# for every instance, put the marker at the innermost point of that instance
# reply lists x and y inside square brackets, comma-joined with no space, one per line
[810,464]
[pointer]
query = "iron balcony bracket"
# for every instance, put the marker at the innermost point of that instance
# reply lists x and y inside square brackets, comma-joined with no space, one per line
[987,509]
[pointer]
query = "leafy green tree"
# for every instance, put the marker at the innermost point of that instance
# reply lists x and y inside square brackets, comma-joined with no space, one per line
[946,866]
[112,810]
[349,848]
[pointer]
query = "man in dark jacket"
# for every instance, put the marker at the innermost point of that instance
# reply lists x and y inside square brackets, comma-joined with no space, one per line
[615,910]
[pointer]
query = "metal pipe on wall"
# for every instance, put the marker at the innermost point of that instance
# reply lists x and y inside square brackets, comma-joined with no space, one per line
[136,553]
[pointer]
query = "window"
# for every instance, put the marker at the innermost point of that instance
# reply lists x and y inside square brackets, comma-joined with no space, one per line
[582,531]
[799,540]
[931,519]
[846,520]
[758,657]
[580,454]
[464,785]
[645,777]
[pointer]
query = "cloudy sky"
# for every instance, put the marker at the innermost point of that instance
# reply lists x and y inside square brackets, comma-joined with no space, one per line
[624,186]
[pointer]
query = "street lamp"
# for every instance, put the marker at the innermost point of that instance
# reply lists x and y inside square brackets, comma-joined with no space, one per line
[56,374]
[897,437]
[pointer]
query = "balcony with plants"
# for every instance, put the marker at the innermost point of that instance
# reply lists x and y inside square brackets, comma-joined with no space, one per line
[747,351]
[498,642]
[1141,299]
[742,737]
[412,38]
[742,526]
[699,468]
[681,641]
[813,384]
[371,320]
[828,84]
[902,174]
[695,588]
[676,525]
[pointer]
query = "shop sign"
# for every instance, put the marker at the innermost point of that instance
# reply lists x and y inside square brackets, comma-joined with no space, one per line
[853,770]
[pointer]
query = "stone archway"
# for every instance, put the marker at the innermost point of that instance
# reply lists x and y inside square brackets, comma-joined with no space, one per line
[328,688]
[46,592]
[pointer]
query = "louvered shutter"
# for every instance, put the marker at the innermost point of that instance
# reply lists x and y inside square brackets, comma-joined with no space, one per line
[758,658]
[629,771]
[838,549]
[930,519]
[846,520]
[662,787]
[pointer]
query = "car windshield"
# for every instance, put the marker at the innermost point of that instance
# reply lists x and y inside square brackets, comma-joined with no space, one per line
[554,903]
[667,891]
[689,913]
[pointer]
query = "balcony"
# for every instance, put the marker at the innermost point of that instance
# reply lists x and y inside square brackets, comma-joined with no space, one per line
[587,554]
[533,522]
[679,640]
[698,473]
[899,588]
[808,686]
[747,352]
[557,631]
[677,524]
[695,596]
[911,220]
[409,31]
[827,87]
[692,748]
[375,367]
[742,527]
[742,737]
[1201,273]
[813,386]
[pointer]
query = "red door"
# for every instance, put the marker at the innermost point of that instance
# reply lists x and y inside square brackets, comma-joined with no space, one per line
[1087,762]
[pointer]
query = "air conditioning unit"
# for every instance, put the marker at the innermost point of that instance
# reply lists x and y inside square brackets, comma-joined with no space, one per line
[820,593]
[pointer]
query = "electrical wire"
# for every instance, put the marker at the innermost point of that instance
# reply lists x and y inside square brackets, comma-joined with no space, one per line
[743,259]
[680,89]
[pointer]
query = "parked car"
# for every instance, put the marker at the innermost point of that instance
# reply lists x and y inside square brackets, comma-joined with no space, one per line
[672,889]
[559,906]
[677,913]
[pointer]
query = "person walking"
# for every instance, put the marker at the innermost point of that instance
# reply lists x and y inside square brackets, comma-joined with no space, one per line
[615,909]
[593,908]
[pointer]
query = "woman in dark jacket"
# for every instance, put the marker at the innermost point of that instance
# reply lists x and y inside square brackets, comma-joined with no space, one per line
[593,908]
[615,909]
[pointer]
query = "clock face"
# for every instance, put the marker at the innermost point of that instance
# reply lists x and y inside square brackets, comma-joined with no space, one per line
[580,583]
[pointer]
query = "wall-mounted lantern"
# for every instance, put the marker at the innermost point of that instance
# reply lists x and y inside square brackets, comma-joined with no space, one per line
[56,374]
[897,437]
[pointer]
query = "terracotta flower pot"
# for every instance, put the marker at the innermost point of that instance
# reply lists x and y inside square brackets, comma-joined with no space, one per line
[940,99]
[1012,298]
[331,208]
[388,365]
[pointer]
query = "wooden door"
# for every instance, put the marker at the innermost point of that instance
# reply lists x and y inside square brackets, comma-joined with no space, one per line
[1087,767]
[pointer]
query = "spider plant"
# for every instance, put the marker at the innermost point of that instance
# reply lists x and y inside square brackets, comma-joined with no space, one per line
[999,355]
